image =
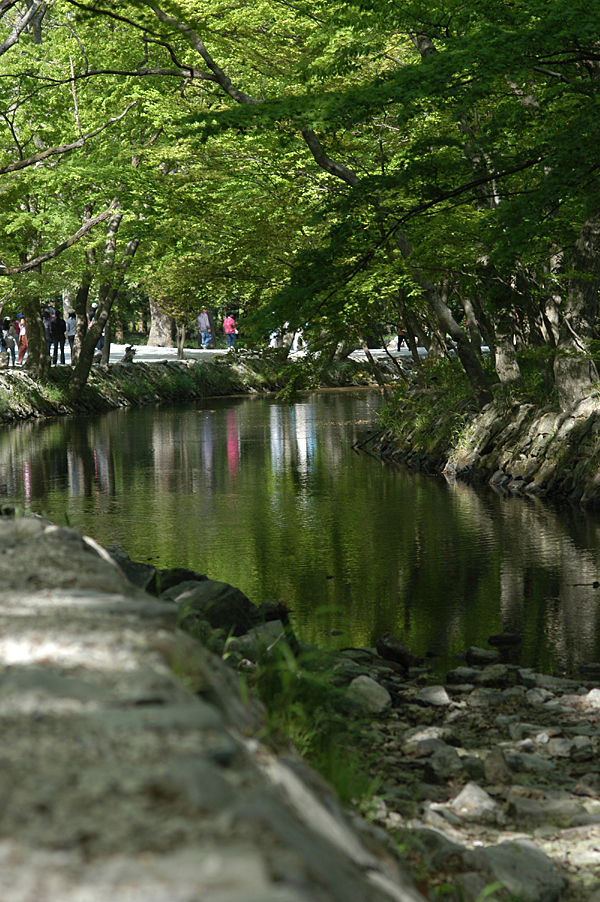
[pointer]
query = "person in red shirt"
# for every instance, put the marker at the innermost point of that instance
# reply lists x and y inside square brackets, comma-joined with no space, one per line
[230,330]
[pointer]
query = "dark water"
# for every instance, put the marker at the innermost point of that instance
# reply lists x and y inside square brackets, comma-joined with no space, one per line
[274,500]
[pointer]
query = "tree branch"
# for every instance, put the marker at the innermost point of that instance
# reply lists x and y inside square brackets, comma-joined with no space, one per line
[62,148]
[43,258]
[21,23]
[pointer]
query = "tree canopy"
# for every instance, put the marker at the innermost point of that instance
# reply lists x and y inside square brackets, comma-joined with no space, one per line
[339,164]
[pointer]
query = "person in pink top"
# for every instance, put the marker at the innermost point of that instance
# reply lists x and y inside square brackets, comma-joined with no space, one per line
[230,330]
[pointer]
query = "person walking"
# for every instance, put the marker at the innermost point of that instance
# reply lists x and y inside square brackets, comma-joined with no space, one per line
[9,337]
[230,330]
[204,330]
[71,324]
[47,321]
[58,329]
[22,341]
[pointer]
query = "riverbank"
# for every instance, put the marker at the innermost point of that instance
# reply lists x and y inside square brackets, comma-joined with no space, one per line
[138,762]
[487,777]
[514,447]
[137,384]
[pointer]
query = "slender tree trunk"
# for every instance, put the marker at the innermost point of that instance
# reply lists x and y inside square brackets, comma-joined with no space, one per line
[181,342]
[107,341]
[106,296]
[38,358]
[466,353]
[575,373]
[373,363]
[472,324]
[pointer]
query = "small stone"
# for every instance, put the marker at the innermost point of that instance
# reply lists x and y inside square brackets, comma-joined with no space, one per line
[391,648]
[372,698]
[444,764]
[462,675]
[433,695]
[523,869]
[496,768]
[538,696]
[582,749]
[560,748]
[474,803]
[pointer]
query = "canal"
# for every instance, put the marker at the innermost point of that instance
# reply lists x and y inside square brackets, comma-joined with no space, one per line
[274,499]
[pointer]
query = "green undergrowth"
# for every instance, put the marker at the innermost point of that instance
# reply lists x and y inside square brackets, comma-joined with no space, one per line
[305,708]
[434,417]
[122,385]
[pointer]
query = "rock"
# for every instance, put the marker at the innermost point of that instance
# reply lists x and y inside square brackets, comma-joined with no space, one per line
[462,675]
[167,579]
[523,869]
[260,642]
[443,765]
[141,575]
[473,767]
[496,768]
[433,695]
[538,696]
[474,803]
[531,812]
[224,606]
[180,592]
[559,748]
[481,656]
[582,749]
[370,696]
[494,675]
[483,698]
[392,649]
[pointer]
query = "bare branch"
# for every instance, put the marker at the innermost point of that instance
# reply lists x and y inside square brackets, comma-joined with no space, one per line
[21,23]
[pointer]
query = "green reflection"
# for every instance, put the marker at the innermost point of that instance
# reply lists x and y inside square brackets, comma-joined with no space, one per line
[273,499]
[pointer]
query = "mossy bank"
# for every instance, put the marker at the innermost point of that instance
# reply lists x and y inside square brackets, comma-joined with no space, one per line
[514,446]
[136,384]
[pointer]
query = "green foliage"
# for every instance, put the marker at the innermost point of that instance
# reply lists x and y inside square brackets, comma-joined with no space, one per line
[305,708]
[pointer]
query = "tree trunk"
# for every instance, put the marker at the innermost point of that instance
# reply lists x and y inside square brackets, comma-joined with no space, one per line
[161,327]
[468,357]
[181,342]
[106,296]
[575,373]
[472,324]
[107,341]
[38,358]
[507,365]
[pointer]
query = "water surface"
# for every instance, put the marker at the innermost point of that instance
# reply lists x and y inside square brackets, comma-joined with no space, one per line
[274,499]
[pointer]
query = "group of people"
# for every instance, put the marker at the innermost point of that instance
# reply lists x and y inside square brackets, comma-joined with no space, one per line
[205,335]
[14,342]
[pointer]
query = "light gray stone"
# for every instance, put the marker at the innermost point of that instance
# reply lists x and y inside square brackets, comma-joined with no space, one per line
[371,696]
[474,803]
[433,695]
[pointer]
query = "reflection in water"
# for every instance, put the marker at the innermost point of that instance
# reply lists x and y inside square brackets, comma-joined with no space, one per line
[273,499]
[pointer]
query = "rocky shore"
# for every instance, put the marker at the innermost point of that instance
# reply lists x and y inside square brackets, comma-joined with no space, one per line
[487,778]
[514,447]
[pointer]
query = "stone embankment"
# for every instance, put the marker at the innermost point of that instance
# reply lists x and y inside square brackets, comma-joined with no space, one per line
[518,448]
[130,769]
